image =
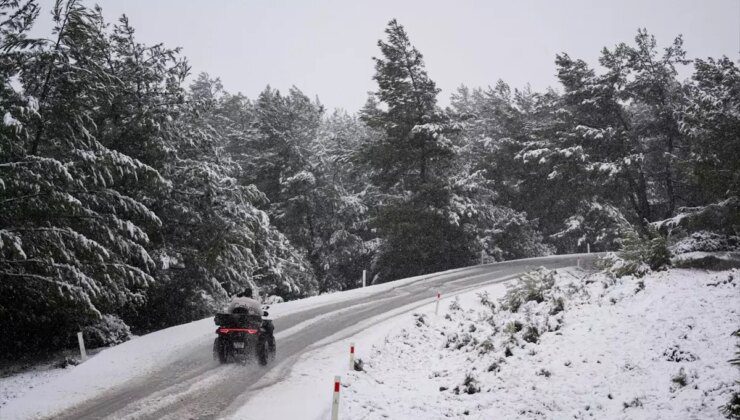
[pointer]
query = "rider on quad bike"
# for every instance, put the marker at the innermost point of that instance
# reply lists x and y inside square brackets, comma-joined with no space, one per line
[245,302]
[243,333]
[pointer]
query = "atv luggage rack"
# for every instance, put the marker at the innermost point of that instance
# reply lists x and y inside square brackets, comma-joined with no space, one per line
[237,320]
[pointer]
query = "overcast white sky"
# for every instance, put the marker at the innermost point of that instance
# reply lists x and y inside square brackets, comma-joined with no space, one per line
[324,47]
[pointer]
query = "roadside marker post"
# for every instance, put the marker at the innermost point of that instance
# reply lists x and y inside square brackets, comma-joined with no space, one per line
[335,399]
[588,248]
[83,353]
[351,356]
[364,278]
[436,305]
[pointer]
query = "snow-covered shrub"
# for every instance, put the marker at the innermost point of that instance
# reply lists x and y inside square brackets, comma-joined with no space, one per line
[455,305]
[486,301]
[420,320]
[66,362]
[679,380]
[273,299]
[458,341]
[635,402]
[531,334]
[109,331]
[529,287]
[558,305]
[486,346]
[676,354]
[640,286]
[732,409]
[469,386]
[704,241]
[639,255]
[513,327]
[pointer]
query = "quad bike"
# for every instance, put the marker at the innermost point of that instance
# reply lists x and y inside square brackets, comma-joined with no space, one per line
[244,337]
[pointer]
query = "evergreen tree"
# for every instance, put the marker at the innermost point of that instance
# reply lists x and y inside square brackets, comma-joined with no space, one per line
[73,243]
[625,121]
[215,239]
[711,120]
[409,165]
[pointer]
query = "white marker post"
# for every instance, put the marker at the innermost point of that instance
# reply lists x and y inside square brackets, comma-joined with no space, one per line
[83,353]
[588,248]
[335,400]
[364,278]
[351,356]
[436,306]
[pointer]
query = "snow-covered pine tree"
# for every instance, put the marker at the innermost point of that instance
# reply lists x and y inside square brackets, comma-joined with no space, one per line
[215,239]
[711,120]
[343,243]
[290,153]
[410,163]
[507,197]
[625,123]
[72,241]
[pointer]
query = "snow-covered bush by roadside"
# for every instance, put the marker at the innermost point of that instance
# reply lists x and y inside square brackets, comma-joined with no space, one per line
[109,331]
[273,299]
[640,254]
[531,286]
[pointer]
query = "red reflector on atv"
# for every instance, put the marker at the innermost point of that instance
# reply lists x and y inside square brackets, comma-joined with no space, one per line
[230,330]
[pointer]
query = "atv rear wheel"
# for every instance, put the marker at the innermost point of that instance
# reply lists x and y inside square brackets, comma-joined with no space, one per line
[219,350]
[263,352]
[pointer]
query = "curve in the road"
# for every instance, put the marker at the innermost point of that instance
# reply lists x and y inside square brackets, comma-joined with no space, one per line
[197,387]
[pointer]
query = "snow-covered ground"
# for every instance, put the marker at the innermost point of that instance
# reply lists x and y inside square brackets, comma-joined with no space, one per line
[656,347]
[12,387]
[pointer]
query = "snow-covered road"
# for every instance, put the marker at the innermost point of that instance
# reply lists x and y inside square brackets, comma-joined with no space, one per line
[171,373]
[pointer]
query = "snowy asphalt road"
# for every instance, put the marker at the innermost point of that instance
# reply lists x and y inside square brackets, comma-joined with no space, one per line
[195,386]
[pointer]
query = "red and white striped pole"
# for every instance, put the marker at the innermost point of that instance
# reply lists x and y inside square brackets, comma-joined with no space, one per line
[335,400]
[436,306]
[351,356]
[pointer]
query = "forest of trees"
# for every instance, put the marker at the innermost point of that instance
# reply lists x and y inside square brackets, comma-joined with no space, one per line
[135,196]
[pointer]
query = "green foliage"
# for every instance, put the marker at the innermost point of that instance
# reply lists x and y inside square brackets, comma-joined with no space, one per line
[531,334]
[513,327]
[409,162]
[640,254]
[680,379]
[75,228]
[109,331]
[532,286]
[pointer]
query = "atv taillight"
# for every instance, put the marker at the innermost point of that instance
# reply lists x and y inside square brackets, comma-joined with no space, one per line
[224,330]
